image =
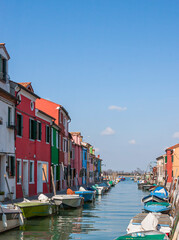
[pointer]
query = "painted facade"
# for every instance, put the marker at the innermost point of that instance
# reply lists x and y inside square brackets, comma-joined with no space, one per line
[62,119]
[77,138]
[55,135]
[7,127]
[172,162]
[161,169]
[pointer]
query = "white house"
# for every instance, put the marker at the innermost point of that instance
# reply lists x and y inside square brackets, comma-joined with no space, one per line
[160,169]
[7,127]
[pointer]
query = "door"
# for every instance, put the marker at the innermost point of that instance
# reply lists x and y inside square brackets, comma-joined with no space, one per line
[25,178]
[39,178]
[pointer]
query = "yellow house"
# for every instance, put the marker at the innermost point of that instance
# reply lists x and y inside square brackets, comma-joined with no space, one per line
[175,160]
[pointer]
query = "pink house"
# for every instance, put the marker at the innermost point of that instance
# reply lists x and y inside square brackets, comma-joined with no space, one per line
[77,139]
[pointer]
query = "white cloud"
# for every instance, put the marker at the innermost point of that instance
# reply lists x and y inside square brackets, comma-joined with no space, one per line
[133,141]
[118,108]
[176,135]
[108,131]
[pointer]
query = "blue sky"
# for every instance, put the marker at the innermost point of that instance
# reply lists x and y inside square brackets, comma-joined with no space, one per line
[113,64]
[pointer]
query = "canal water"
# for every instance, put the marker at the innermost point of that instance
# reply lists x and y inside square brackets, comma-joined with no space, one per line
[106,218]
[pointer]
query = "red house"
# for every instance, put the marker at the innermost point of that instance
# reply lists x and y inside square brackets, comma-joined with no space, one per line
[32,143]
[62,119]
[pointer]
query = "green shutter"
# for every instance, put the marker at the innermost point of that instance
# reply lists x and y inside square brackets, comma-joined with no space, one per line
[12,166]
[172,158]
[9,116]
[35,129]
[165,159]
[58,172]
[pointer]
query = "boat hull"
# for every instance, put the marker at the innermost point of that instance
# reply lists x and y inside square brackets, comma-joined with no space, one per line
[147,235]
[30,210]
[157,207]
[87,195]
[68,201]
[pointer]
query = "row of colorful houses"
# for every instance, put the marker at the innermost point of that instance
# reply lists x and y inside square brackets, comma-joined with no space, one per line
[168,165]
[35,142]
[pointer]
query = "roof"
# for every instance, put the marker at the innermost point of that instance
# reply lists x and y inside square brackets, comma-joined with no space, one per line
[27,85]
[75,133]
[160,157]
[21,85]
[173,147]
[2,45]
[57,105]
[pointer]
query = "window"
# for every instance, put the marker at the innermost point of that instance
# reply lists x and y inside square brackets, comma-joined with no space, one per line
[57,140]
[31,172]
[165,159]
[32,129]
[73,153]
[60,142]
[64,121]
[32,105]
[65,145]
[18,171]
[85,155]
[10,168]
[19,124]
[45,172]
[60,117]
[3,68]
[39,131]
[9,116]
[52,136]
[172,158]
[47,134]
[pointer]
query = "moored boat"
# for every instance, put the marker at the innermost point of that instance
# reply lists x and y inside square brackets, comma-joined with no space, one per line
[10,218]
[86,194]
[147,235]
[159,194]
[162,207]
[68,201]
[37,208]
[154,221]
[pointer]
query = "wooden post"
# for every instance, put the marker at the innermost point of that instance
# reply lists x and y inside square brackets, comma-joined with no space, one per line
[8,189]
[22,187]
[54,190]
[46,179]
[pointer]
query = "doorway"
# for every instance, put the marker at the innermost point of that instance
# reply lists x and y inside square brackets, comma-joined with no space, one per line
[25,178]
[39,178]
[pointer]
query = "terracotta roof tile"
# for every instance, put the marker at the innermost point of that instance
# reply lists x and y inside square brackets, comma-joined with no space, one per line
[173,147]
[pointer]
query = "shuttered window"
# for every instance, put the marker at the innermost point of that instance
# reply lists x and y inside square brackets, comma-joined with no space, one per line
[32,129]
[165,159]
[19,125]
[47,134]
[11,166]
[39,131]
[57,172]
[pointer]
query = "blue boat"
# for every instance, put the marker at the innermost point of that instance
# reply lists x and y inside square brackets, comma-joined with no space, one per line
[86,194]
[159,194]
[157,207]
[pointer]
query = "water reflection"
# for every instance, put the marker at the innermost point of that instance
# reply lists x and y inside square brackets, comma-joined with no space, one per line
[106,218]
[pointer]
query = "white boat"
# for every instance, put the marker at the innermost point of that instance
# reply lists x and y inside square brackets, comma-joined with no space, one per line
[69,201]
[150,222]
[10,218]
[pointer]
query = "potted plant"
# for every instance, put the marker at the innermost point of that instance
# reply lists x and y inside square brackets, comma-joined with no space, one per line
[2,196]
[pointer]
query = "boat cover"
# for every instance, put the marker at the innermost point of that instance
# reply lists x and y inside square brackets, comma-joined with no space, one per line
[150,222]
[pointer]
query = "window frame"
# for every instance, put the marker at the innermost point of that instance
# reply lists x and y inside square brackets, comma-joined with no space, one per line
[21,116]
[37,137]
[47,140]
[31,130]
[52,142]
[57,140]
[31,182]
[20,171]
